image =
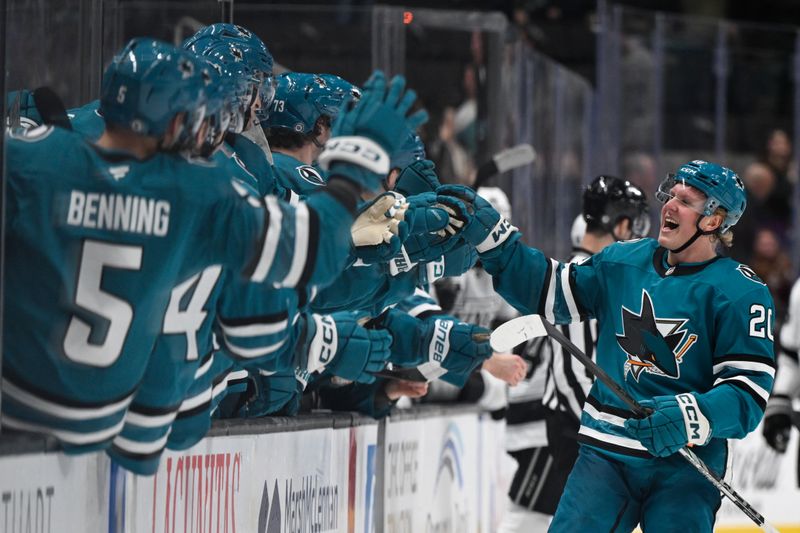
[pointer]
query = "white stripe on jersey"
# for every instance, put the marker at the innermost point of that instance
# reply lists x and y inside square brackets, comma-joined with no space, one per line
[270,241]
[612,439]
[249,353]
[744,365]
[140,448]
[63,411]
[254,330]
[301,219]
[149,421]
[200,372]
[222,385]
[194,401]
[423,307]
[614,420]
[572,305]
[756,388]
[549,303]
[72,437]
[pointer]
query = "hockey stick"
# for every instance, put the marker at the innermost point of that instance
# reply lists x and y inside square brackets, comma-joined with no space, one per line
[51,108]
[527,327]
[508,159]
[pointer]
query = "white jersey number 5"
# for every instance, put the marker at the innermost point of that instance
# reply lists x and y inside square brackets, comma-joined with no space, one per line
[91,297]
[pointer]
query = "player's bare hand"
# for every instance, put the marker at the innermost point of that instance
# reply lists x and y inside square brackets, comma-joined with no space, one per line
[507,367]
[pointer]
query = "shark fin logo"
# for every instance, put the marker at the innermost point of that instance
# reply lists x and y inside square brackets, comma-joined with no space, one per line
[311,175]
[655,345]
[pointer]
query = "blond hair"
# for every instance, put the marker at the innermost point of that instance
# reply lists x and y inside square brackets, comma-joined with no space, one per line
[726,237]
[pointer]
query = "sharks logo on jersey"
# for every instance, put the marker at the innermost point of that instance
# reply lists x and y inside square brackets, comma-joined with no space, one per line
[750,274]
[310,174]
[653,344]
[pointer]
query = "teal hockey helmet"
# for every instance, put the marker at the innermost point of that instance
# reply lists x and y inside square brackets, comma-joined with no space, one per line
[302,98]
[722,187]
[148,83]
[242,53]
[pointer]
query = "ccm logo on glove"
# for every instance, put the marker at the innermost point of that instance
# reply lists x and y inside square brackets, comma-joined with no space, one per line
[698,429]
[361,151]
[325,342]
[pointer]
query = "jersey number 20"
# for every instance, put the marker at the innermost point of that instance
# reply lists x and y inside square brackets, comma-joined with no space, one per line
[760,322]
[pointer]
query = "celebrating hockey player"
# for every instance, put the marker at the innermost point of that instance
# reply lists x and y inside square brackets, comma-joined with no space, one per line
[613,210]
[685,331]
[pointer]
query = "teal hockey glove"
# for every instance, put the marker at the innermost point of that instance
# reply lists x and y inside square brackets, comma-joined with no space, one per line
[675,422]
[338,344]
[453,263]
[364,137]
[423,215]
[427,246]
[440,347]
[484,228]
[417,178]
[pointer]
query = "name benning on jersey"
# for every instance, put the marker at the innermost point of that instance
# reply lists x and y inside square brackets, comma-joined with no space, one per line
[118,212]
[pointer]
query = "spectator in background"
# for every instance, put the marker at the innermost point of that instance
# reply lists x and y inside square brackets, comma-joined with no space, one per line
[773,266]
[778,156]
[759,182]
[465,119]
[453,163]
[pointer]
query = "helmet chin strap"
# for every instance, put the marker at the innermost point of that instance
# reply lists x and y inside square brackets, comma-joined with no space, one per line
[697,234]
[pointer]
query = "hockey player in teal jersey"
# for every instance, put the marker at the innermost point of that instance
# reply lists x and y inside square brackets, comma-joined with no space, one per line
[686,332]
[257,327]
[299,125]
[76,343]
[246,59]
[112,256]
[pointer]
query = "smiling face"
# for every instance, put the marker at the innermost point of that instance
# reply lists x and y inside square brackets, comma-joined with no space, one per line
[679,215]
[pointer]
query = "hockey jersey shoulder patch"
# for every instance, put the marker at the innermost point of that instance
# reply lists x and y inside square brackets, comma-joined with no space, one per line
[311,175]
[750,274]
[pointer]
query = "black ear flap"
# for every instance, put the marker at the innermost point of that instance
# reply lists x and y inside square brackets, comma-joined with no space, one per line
[51,108]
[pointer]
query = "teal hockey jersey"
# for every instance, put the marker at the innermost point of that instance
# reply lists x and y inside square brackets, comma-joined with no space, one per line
[97,243]
[705,328]
[295,175]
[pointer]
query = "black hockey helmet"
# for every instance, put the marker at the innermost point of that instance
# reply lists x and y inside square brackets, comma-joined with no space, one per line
[608,199]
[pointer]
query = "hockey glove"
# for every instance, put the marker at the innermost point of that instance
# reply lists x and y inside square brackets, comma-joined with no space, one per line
[778,422]
[364,137]
[484,228]
[675,422]
[417,178]
[338,344]
[424,216]
[453,263]
[277,392]
[440,347]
